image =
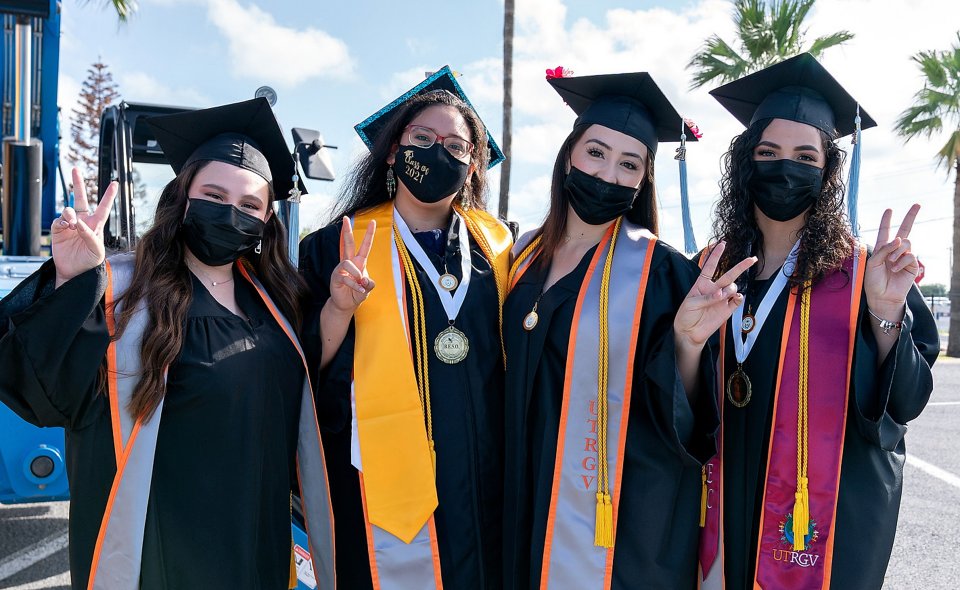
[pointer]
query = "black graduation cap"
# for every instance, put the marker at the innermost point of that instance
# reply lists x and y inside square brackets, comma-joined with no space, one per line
[798,89]
[630,103]
[443,79]
[245,134]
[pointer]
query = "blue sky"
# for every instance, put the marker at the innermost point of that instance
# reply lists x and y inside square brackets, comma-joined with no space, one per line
[334,63]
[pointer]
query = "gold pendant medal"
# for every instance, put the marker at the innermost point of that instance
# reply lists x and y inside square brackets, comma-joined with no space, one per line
[748,322]
[451,346]
[739,388]
[448,282]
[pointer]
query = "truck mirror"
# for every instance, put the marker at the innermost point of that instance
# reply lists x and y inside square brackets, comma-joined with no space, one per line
[313,154]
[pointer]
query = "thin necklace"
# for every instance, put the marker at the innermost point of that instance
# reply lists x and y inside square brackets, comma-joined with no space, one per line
[212,282]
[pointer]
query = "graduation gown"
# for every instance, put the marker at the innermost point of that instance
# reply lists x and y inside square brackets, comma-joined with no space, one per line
[467,406]
[883,398]
[667,439]
[218,513]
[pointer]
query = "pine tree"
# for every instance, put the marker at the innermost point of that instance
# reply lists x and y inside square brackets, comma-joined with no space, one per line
[98,92]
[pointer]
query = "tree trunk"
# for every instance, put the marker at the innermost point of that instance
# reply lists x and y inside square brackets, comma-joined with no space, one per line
[953,340]
[504,202]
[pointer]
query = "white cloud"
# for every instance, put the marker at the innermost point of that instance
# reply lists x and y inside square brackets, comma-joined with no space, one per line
[265,51]
[142,87]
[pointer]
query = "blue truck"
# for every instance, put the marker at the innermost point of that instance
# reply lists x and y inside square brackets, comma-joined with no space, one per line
[32,459]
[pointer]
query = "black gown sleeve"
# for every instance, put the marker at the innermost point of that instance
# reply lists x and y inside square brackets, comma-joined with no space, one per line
[688,421]
[52,345]
[319,255]
[887,398]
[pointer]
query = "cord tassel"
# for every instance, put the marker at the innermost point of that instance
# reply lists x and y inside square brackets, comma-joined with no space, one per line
[703,497]
[801,516]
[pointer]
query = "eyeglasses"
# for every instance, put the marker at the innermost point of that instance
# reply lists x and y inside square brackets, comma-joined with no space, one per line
[424,137]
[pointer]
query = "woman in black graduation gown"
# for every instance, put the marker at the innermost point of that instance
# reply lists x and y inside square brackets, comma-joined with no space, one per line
[644,533]
[782,201]
[221,368]
[421,191]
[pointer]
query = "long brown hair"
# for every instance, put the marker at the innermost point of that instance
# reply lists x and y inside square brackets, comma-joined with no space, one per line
[161,282]
[644,211]
[825,240]
[366,184]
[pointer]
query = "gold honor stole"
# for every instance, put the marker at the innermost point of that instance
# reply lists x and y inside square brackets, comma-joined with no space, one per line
[579,546]
[807,422]
[117,553]
[397,480]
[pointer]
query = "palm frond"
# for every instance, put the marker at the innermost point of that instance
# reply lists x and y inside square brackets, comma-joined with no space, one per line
[717,60]
[820,44]
[950,151]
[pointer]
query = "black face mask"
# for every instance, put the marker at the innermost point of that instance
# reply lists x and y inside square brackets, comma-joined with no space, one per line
[217,233]
[783,189]
[430,174]
[597,201]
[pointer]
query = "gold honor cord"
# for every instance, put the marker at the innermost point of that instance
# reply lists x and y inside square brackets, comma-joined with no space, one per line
[527,252]
[801,509]
[420,341]
[603,536]
[491,258]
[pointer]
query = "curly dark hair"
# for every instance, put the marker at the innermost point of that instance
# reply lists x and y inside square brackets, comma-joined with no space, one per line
[644,211]
[365,185]
[825,239]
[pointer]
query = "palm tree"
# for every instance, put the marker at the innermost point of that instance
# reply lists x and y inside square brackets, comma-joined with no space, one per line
[767,33]
[936,108]
[507,107]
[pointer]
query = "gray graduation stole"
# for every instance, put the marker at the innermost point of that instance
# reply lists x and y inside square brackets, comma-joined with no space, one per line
[571,560]
[118,551]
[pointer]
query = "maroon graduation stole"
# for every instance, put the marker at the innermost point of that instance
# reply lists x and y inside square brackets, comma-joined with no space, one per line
[784,560]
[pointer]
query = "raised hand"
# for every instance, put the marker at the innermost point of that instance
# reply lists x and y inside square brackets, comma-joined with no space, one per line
[709,303]
[76,237]
[892,269]
[349,283]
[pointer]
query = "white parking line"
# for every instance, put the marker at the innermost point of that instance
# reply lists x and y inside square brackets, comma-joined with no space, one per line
[933,470]
[28,556]
[943,403]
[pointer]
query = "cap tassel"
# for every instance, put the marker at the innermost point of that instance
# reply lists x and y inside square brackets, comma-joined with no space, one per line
[801,516]
[689,241]
[703,497]
[853,182]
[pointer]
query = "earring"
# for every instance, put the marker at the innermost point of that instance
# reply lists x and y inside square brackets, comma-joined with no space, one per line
[391,183]
[464,200]
[259,247]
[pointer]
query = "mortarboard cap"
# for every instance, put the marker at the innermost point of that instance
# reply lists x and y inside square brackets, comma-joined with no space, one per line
[629,103]
[245,134]
[798,89]
[444,79]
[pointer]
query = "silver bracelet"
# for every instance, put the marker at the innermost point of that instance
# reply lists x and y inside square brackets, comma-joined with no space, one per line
[885,325]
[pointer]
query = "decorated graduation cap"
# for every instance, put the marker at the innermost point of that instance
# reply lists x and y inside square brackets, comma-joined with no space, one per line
[443,79]
[800,89]
[245,134]
[634,105]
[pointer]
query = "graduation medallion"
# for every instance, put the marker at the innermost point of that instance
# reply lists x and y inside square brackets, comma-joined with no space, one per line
[451,346]
[530,321]
[739,388]
[448,282]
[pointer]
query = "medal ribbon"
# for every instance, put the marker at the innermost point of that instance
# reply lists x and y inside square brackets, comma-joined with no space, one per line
[452,302]
[742,345]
